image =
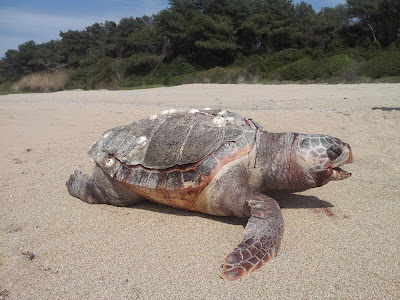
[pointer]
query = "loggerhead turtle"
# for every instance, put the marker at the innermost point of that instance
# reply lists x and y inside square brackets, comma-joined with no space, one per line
[215,162]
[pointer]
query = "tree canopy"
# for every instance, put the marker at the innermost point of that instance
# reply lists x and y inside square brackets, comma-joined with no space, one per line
[210,33]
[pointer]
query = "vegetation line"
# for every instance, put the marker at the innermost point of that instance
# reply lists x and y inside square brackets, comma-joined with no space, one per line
[213,41]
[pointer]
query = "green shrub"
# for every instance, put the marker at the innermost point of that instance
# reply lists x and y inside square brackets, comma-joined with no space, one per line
[118,72]
[341,67]
[183,79]
[246,61]
[106,73]
[78,78]
[374,49]
[142,64]
[334,65]
[214,75]
[303,69]
[180,66]
[132,81]
[100,74]
[145,69]
[351,72]
[280,59]
[170,72]
[225,76]
[357,54]
[5,88]
[385,64]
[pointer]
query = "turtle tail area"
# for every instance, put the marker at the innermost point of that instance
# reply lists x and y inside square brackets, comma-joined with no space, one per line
[262,238]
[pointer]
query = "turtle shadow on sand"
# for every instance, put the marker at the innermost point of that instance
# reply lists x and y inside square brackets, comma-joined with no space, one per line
[161,209]
[286,200]
[289,200]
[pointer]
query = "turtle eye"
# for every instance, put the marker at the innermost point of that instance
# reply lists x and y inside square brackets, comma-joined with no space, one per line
[334,152]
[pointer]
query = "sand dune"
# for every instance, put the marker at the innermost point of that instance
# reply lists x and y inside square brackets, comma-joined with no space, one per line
[341,241]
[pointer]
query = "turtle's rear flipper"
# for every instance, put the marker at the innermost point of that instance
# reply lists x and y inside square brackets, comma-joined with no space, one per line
[83,187]
[111,192]
[262,238]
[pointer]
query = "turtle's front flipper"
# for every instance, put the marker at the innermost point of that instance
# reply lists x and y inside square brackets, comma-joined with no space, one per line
[262,238]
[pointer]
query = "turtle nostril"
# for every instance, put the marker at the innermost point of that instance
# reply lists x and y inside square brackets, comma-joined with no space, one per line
[334,152]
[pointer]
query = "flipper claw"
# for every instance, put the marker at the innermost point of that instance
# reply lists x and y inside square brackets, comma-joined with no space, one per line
[262,238]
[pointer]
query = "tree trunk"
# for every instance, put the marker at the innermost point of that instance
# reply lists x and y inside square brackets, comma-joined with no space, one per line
[373,31]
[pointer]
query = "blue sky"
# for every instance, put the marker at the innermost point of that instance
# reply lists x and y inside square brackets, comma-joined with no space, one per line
[42,20]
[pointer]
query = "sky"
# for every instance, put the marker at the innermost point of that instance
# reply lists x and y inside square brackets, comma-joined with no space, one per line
[42,20]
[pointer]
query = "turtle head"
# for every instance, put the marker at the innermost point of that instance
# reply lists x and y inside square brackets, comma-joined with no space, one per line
[321,157]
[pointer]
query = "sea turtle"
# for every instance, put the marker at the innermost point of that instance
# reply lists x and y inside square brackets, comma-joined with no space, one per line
[215,162]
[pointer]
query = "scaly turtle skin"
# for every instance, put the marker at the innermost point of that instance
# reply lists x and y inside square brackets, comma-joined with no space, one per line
[214,162]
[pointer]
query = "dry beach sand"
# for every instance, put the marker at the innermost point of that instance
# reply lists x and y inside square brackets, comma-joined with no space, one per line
[341,241]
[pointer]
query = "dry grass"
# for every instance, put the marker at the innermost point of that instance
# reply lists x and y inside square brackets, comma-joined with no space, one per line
[42,82]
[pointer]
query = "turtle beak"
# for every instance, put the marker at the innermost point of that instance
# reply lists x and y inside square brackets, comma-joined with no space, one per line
[338,174]
[334,170]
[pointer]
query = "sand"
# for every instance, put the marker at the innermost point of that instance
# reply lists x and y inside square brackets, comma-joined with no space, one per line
[341,241]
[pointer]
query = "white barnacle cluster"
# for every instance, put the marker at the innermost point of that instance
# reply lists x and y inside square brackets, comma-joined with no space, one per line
[153,117]
[222,112]
[207,108]
[142,140]
[221,120]
[168,111]
[193,111]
